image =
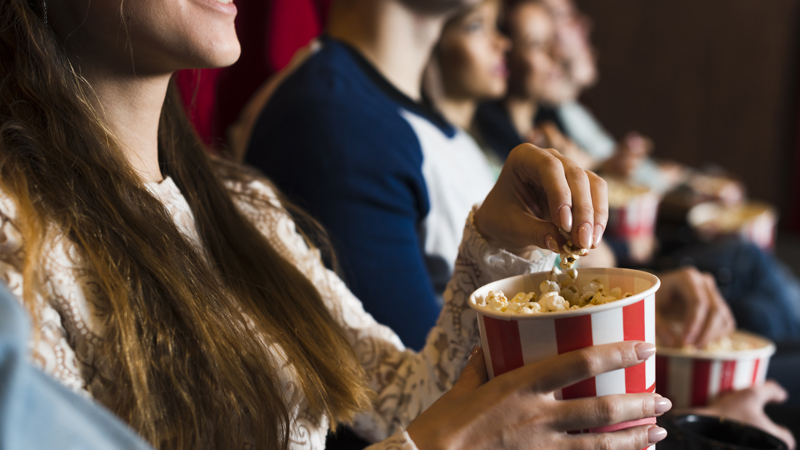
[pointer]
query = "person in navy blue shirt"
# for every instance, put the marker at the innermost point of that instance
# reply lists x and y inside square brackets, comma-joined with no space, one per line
[333,137]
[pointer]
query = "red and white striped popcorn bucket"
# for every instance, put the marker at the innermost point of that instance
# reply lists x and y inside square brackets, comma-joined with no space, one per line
[632,209]
[635,217]
[695,378]
[511,341]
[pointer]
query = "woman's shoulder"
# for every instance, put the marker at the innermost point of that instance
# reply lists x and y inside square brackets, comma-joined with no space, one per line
[253,194]
[259,201]
[258,188]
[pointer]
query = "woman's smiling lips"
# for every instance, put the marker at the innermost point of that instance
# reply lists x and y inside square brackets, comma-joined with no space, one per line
[223,6]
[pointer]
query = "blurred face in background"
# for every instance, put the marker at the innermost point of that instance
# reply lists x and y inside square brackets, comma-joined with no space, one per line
[536,72]
[575,49]
[471,55]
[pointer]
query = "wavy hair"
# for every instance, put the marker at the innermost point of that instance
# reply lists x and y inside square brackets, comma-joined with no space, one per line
[185,328]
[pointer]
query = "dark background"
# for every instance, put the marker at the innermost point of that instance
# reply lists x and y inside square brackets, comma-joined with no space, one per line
[711,81]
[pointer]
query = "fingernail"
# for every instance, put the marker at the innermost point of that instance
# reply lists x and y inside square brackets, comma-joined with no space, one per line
[598,234]
[552,245]
[662,405]
[585,235]
[474,352]
[565,217]
[656,434]
[645,350]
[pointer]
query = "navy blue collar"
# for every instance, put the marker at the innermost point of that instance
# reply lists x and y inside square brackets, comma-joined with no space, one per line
[422,108]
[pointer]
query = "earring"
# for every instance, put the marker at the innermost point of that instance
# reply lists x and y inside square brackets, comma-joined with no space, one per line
[44,8]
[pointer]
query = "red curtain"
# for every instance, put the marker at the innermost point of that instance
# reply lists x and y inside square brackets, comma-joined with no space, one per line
[270,31]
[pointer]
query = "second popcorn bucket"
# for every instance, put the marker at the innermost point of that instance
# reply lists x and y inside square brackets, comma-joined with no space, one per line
[512,340]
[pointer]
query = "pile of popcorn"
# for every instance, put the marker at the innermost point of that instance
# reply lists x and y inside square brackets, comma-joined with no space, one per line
[570,254]
[553,297]
[735,342]
[730,344]
[556,296]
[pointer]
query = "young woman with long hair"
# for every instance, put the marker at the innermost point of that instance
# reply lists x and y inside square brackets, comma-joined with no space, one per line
[175,289]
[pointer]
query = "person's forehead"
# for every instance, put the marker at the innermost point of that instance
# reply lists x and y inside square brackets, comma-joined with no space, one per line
[441,6]
[560,7]
[532,20]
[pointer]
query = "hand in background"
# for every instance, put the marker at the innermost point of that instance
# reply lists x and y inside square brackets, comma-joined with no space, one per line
[747,406]
[630,152]
[548,135]
[690,310]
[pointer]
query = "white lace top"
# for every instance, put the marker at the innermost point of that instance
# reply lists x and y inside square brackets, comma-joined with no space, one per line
[405,382]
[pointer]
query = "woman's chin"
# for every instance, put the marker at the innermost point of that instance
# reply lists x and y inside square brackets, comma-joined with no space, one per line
[219,57]
[498,90]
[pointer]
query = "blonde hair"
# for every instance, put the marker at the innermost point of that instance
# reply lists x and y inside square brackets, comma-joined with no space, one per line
[189,371]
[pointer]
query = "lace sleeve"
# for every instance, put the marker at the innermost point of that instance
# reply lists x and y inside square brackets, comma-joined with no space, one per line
[49,347]
[406,383]
[399,441]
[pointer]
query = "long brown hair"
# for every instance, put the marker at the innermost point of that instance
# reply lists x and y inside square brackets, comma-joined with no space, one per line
[185,327]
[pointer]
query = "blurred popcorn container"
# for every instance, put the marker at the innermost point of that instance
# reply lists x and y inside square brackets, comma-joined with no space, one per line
[513,340]
[691,377]
[752,221]
[632,210]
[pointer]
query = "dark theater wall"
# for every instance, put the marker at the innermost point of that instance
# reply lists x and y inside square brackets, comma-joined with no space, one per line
[708,80]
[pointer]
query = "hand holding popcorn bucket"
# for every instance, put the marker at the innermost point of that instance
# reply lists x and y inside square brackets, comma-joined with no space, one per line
[512,340]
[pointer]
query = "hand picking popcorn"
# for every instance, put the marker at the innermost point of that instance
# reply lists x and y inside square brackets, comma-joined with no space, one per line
[555,296]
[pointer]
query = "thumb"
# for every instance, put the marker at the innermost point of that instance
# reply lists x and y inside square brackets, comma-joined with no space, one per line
[473,375]
[772,392]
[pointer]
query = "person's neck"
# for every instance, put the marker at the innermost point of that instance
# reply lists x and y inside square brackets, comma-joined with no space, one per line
[522,113]
[458,112]
[395,39]
[131,106]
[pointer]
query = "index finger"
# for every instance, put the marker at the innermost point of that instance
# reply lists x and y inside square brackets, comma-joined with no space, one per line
[697,306]
[543,168]
[717,323]
[771,392]
[567,369]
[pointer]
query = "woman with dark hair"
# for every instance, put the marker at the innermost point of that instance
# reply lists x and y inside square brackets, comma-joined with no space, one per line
[175,289]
